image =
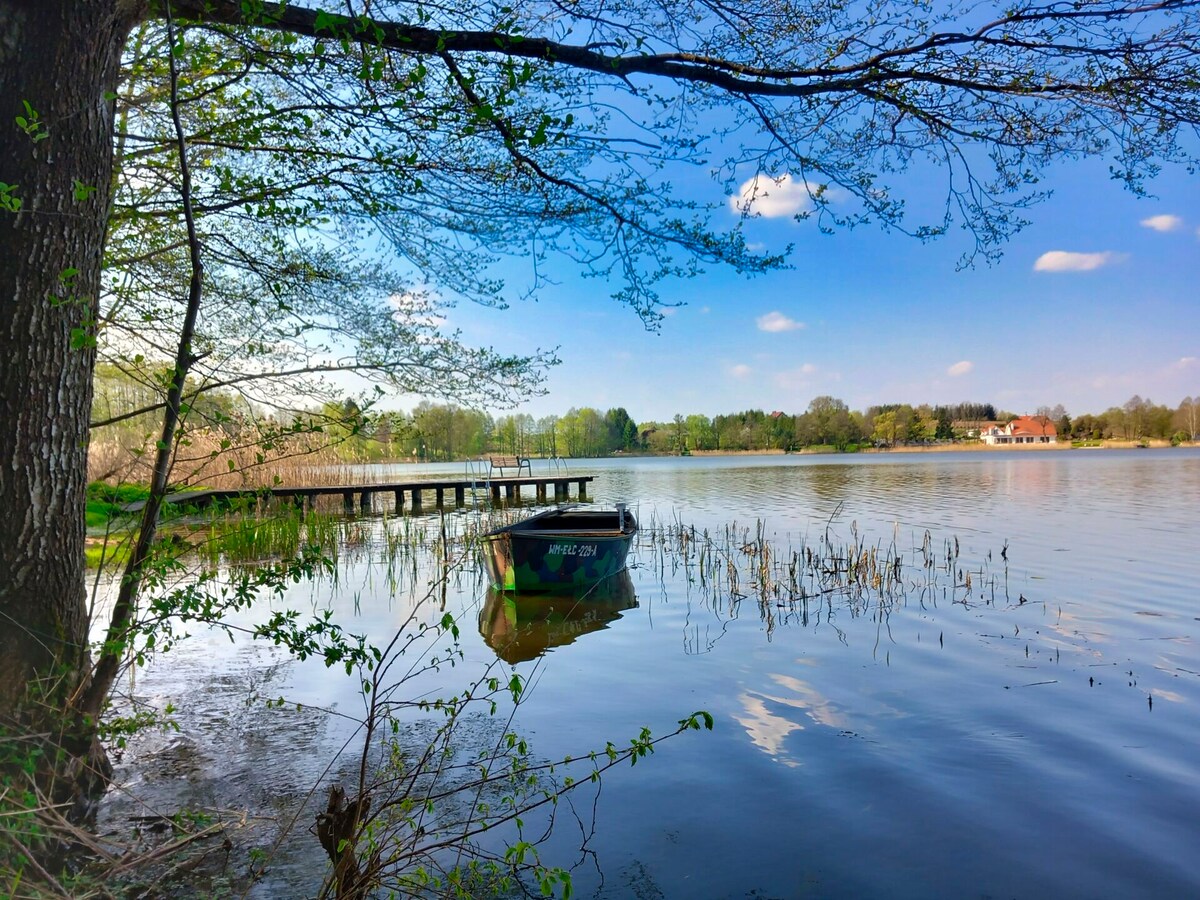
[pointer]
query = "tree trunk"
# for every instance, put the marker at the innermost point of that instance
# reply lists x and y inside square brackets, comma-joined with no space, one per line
[59,62]
[338,832]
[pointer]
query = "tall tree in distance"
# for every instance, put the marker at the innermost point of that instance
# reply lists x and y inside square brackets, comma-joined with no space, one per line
[622,430]
[453,135]
[1188,417]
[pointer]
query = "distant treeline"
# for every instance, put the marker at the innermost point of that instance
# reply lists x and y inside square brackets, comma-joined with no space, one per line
[435,431]
[828,422]
[441,432]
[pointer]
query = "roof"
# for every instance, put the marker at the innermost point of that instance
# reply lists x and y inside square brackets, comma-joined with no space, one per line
[1032,426]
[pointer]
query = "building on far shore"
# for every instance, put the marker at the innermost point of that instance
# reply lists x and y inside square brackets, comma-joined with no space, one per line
[1021,430]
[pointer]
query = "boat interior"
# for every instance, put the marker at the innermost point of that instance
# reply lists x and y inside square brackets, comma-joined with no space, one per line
[576,520]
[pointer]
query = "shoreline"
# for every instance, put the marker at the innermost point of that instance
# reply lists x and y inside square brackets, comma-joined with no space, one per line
[1154,444]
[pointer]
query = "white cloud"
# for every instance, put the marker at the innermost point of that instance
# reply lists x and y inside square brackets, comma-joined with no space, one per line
[1173,379]
[1163,222]
[960,368]
[775,197]
[741,370]
[1065,261]
[796,379]
[806,369]
[776,321]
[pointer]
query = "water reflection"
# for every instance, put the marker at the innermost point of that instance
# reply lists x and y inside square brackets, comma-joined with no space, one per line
[521,627]
[1033,656]
[769,718]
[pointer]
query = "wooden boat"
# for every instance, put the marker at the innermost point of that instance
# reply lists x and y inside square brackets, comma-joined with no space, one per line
[522,627]
[560,549]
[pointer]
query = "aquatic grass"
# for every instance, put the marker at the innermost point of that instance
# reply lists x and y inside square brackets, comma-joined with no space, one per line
[737,568]
[248,538]
[255,534]
[107,550]
[740,563]
[209,568]
[106,502]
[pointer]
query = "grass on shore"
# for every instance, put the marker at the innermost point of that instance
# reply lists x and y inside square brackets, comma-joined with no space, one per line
[106,502]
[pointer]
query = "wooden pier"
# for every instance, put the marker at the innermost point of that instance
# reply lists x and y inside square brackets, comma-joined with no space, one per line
[362,496]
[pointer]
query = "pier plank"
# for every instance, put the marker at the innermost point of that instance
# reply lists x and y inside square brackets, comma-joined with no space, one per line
[412,488]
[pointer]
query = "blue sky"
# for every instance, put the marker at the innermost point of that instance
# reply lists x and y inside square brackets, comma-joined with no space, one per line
[1095,301]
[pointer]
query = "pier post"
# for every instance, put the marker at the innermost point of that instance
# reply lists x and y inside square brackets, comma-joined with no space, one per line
[361,497]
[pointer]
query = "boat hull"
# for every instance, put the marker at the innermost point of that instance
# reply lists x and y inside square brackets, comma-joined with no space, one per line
[557,551]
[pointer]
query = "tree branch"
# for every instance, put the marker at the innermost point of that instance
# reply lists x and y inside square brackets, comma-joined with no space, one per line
[726,74]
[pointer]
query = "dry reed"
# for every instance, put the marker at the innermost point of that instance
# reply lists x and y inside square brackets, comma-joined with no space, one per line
[213,458]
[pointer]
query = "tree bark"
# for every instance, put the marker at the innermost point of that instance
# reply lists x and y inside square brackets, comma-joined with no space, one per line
[337,831]
[59,63]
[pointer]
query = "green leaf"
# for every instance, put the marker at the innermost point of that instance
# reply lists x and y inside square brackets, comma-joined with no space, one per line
[82,191]
[82,338]
[8,199]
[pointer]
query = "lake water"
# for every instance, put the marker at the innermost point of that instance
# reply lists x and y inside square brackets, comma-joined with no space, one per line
[1034,734]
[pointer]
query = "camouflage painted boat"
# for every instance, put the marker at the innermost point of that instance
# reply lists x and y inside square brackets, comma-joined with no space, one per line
[522,627]
[560,549]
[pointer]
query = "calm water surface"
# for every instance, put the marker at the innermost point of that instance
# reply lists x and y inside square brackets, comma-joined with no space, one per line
[1035,736]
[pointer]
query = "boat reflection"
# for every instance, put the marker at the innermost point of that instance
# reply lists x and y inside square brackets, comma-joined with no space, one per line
[521,627]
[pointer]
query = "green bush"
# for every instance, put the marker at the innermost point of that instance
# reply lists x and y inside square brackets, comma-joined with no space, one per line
[106,502]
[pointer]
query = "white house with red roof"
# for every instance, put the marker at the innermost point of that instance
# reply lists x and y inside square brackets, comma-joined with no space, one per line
[1021,430]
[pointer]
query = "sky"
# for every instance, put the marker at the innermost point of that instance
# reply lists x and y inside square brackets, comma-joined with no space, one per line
[1097,300]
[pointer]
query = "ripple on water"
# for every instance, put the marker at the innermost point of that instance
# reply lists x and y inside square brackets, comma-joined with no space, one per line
[1033,735]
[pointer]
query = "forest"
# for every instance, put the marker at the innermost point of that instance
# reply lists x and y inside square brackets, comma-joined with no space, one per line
[443,432]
